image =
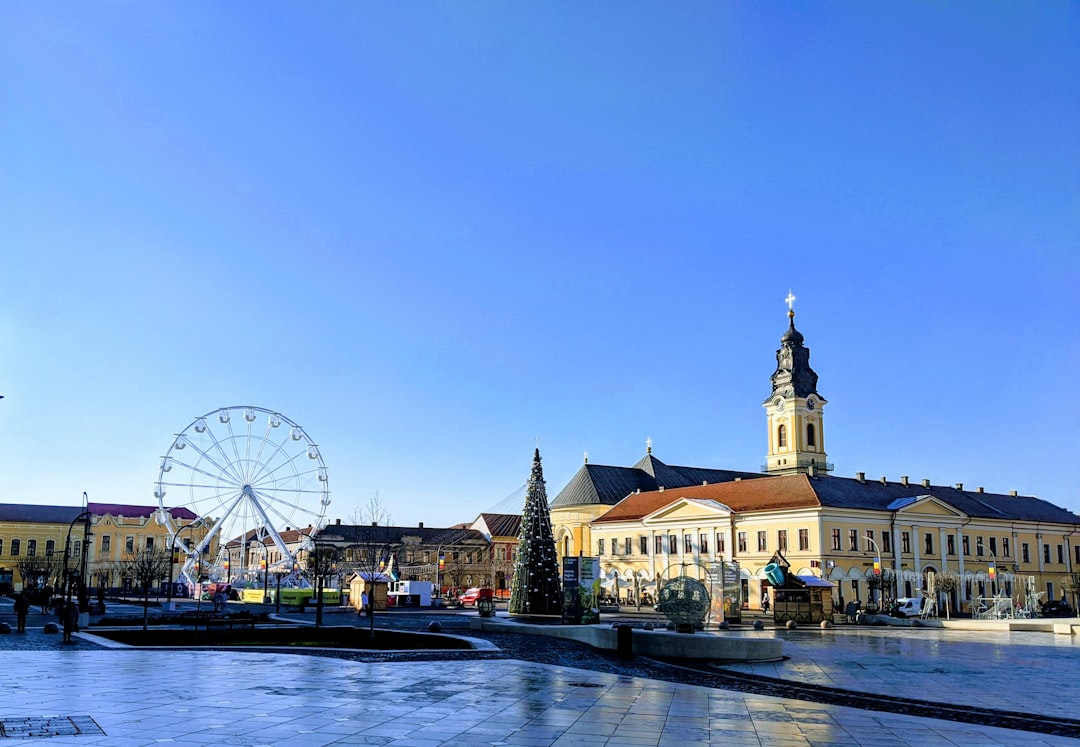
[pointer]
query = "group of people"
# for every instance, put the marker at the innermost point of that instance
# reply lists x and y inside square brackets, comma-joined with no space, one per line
[67,611]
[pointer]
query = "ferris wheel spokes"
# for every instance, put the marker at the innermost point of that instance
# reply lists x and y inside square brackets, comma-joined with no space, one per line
[224,470]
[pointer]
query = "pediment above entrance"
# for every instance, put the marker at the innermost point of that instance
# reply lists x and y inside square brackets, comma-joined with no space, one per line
[925,505]
[688,509]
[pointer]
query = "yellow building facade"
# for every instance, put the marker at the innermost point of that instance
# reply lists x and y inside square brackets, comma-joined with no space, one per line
[103,536]
[652,521]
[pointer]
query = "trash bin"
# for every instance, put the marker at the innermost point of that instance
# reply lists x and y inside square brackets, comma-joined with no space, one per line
[624,642]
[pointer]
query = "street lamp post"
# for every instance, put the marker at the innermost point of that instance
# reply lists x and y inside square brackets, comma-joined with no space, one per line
[84,517]
[200,522]
[266,572]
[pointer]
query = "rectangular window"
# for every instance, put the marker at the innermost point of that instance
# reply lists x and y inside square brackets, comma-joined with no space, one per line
[688,544]
[1076,552]
[643,543]
[672,544]
[720,543]
[870,540]
[614,545]
[781,540]
[703,543]
[149,543]
[762,542]
[950,544]
[1005,549]
[967,545]
[886,542]
[979,549]
[1046,551]
[853,540]
[600,547]
[129,544]
[804,539]
[742,542]
[628,546]
[905,542]
[1060,548]
[836,539]
[658,544]
[1025,551]
[31,548]
[993,547]
[15,547]
[928,543]
[1,547]
[50,547]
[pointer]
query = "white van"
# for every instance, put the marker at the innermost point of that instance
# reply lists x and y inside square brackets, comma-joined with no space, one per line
[909,606]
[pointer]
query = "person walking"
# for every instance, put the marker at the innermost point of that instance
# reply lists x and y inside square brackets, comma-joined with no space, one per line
[69,615]
[765,602]
[22,609]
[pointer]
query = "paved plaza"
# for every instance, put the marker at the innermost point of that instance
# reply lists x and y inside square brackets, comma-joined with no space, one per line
[90,695]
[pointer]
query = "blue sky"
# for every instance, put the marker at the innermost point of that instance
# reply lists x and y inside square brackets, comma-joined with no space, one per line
[433,233]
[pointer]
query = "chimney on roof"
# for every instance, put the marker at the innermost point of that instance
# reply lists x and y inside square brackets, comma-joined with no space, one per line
[860,476]
[811,470]
[979,489]
[704,482]
[959,486]
[1012,493]
[337,522]
[925,482]
[374,523]
[738,479]
[287,528]
[884,480]
[661,488]
[421,525]
[904,480]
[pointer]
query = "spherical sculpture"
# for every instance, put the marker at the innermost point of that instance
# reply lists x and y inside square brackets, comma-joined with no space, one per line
[684,601]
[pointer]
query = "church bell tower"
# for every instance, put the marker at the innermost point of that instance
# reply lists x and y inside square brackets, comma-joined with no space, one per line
[795,410]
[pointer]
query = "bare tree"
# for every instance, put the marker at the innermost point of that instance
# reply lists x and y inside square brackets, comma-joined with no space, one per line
[374,546]
[946,583]
[146,568]
[1072,586]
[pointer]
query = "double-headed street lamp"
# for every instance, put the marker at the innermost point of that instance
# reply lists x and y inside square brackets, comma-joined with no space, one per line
[84,517]
[877,557]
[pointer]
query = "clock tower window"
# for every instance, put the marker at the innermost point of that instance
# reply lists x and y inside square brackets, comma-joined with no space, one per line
[811,439]
[781,436]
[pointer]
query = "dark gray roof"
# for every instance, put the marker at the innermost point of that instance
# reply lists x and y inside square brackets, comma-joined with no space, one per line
[20,512]
[848,492]
[503,525]
[362,533]
[598,484]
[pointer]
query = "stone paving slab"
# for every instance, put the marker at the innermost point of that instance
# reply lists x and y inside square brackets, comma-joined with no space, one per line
[1034,673]
[142,698]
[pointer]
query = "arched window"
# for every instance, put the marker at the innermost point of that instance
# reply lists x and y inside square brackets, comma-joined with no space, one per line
[566,546]
[781,436]
[811,439]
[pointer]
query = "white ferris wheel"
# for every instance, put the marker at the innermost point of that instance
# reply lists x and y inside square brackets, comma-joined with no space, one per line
[247,473]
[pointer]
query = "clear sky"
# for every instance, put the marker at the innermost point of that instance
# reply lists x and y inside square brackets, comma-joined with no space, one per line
[433,233]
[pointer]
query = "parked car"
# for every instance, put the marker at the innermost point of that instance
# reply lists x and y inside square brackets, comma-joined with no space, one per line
[475,594]
[908,607]
[1057,608]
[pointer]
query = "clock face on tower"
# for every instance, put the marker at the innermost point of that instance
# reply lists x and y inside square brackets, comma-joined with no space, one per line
[810,404]
[780,405]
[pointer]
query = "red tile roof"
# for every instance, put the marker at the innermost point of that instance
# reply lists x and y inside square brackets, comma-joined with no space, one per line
[762,494]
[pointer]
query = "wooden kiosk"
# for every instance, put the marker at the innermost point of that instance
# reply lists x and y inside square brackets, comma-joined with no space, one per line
[804,599]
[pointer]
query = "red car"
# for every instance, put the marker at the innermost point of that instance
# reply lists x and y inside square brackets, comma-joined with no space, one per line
[474,595]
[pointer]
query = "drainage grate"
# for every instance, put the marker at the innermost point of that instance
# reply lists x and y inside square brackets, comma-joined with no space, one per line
[49,726]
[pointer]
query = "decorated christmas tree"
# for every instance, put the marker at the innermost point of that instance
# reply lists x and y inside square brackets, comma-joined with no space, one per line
[535,589]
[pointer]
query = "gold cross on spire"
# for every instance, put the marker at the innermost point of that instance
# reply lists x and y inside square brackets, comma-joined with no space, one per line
[790,300]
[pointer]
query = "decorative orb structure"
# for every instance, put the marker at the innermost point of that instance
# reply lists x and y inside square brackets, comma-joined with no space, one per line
[685,601]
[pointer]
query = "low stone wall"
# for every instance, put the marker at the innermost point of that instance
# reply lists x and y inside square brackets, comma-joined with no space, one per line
[658,643]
